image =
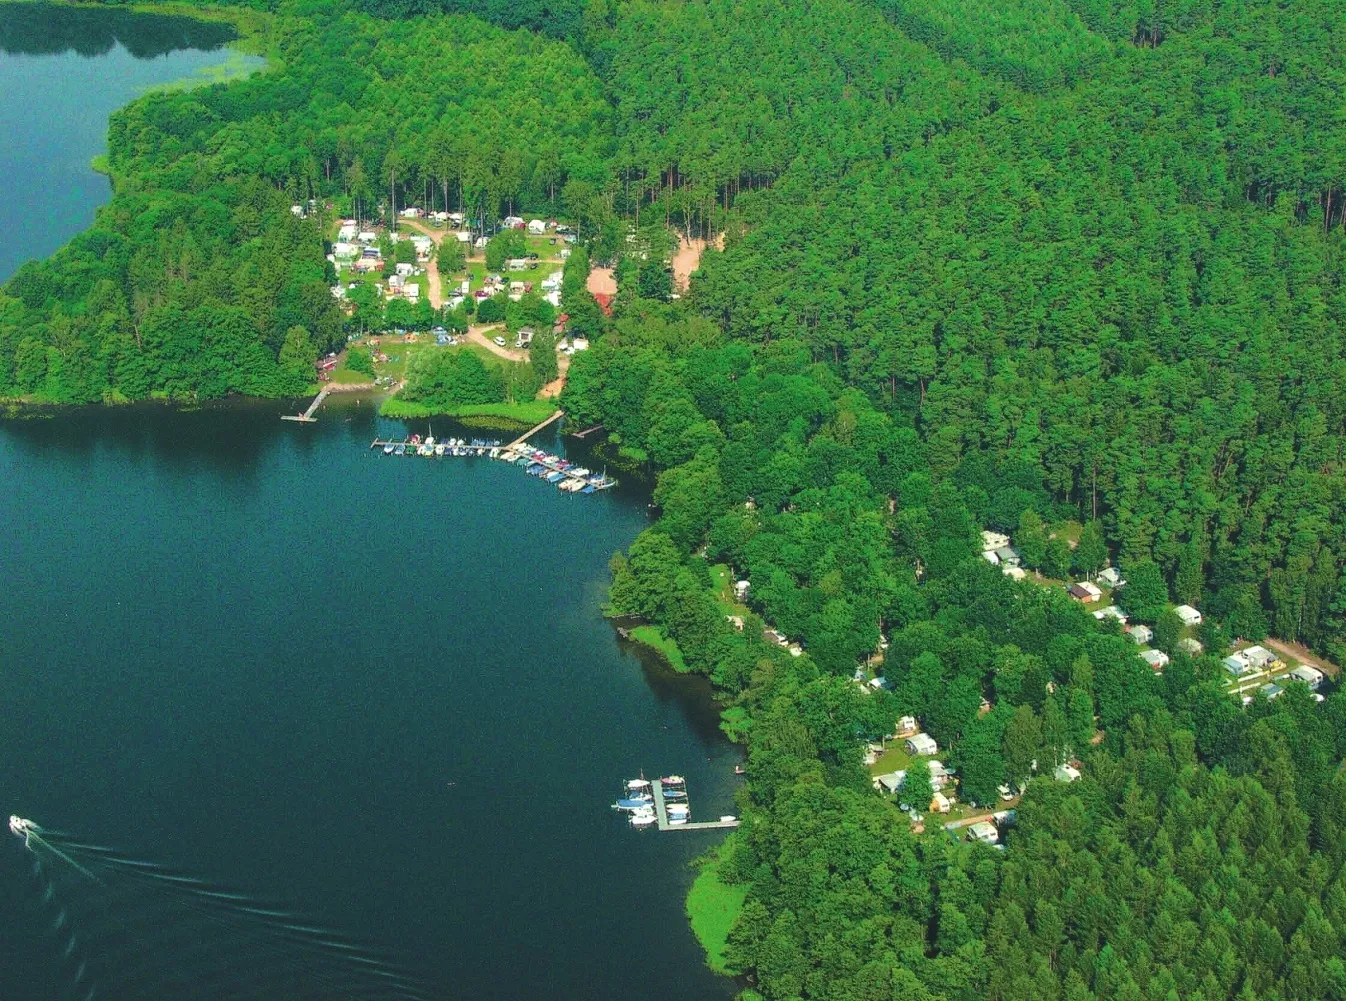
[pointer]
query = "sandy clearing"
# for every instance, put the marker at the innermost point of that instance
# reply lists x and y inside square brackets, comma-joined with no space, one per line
[688,258]
[601,282]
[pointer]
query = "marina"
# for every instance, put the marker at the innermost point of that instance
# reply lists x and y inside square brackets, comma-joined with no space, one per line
[663,803]
[561,473]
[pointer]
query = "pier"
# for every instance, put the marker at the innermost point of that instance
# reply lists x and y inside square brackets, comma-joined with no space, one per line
[534,430]
[307,416]
[661,815]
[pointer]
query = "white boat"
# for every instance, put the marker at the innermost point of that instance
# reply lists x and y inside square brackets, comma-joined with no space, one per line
[439,449]
[643,818]
[728,818]
[673,780]
[637,783]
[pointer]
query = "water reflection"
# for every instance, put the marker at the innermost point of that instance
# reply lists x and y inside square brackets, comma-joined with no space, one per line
[49,29]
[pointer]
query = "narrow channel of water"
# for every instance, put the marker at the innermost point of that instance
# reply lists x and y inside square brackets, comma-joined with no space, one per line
[379,689]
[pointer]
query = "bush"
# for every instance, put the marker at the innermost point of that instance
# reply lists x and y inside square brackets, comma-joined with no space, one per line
[358,359]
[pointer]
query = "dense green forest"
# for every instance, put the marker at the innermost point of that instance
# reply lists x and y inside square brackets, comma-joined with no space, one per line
[985,266]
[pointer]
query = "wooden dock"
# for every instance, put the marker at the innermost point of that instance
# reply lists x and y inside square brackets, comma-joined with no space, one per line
[532,431]
[661,815]
[307,416]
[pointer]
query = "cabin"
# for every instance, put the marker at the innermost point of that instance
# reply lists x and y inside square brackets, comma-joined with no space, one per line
[1009,556]
[1065,773]
[346,232]
[772,636]
[1140,635]
[1157,659]
[890,783]
[517,264]
[463,236]
[1111,577]
[512,222]
[1111,612]
[1014,573]
[1190,646]
[921,744]
[1188,615]
[345,251]
[1084,592]
[990,557]
[939,775]
[983,831]
[1311,676]
[939,803]
[411,212]
[1237,665]
[1271,690]
[367,236]
[404,269]
[536,227]
[906,725]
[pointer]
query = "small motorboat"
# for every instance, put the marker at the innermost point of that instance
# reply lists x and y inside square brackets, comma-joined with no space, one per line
[643,819]
[740,770]
[632,803]
[673,780]
[388,448]
[439,449]
[400,450]
[637,783]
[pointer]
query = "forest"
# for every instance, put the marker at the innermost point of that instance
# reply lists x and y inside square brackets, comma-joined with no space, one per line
[984,266]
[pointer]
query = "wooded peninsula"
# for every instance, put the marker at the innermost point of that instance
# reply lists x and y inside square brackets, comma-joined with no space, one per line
[996,298]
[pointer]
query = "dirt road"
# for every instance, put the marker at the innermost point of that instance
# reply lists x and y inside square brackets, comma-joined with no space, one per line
[688,258]
[1302,654]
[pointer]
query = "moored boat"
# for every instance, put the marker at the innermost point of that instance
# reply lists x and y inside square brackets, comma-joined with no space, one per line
[388,448]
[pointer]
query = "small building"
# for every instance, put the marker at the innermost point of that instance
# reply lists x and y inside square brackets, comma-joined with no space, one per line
[347,231]
[579,343]
[512,222]
[411,212]
[1188,615]
[1014,573]
[1311,676]
[741,589]
[1066,773]
[773,636]
[1270,691]
[517,264]
[921,744]
[878,683]
[890,783]
[991,541]
[343,250]
[1260,658]
[1085,592]
[463,236]
[990,557]
[1190,646]
[1111,577]
[1009,556]
[1237,665]
[983,831]
[906,726]
[939,775]
[412,291]
[939,803]
[1157,659]
[404,269]
[367,236]
[797,650]
[1140,634]
[537,227]
[1111,612]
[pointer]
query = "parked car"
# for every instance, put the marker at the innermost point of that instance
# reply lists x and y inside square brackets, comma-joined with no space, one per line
[499,341]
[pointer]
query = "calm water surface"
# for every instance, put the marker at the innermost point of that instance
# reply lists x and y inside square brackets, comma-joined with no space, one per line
[377,688]
[62,72]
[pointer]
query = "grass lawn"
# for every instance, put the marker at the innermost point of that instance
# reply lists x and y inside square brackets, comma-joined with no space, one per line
[724,590]
[349,377]
[507,415]
[713,906]
[893,759]
[654,638]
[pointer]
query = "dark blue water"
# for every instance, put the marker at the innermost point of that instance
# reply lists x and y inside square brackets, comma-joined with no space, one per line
[379,689]
[62,72]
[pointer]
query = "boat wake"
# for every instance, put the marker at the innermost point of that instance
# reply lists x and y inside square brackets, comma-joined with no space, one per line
[129,929]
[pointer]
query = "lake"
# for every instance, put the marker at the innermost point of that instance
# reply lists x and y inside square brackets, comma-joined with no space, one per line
[379,689]
[63,71]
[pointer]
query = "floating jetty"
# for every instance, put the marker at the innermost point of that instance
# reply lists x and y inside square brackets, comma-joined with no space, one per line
[663,805]
[561,473]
